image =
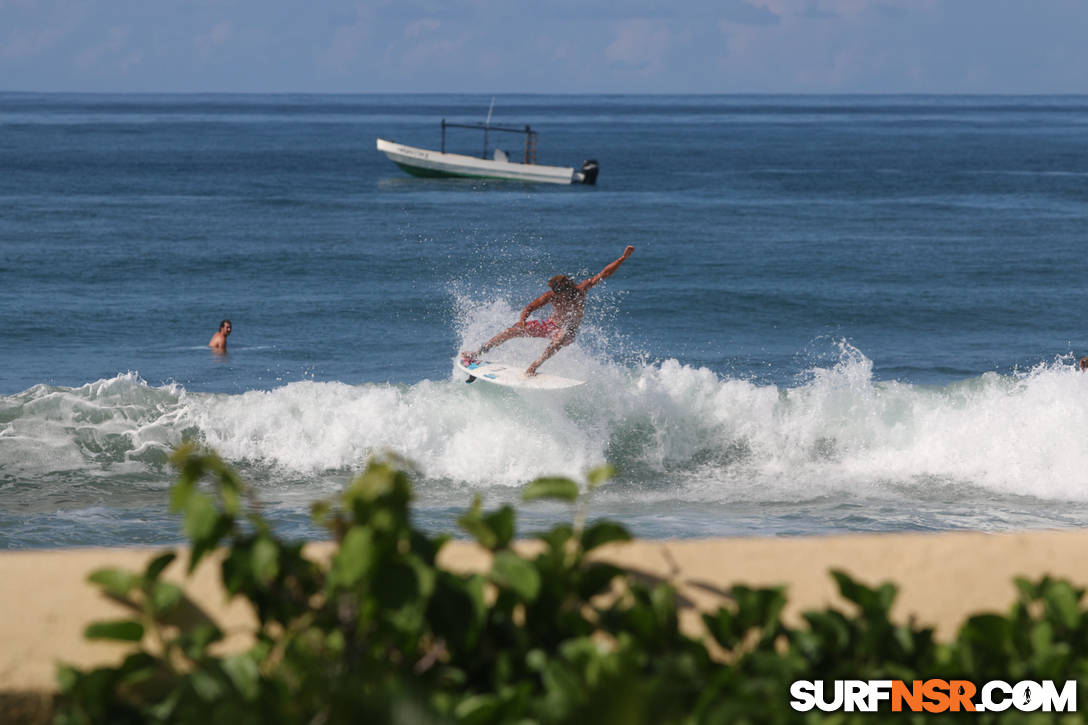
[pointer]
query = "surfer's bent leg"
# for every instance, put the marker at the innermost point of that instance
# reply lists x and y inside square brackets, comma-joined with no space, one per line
[553,347]
[508,334]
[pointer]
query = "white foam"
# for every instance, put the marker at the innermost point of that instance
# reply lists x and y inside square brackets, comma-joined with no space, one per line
[108,423]
[725,438]
[685,433]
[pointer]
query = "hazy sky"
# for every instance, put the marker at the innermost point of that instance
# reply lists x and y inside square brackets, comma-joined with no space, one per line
[580,46]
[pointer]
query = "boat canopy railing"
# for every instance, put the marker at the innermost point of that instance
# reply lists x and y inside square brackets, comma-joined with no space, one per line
[530,136]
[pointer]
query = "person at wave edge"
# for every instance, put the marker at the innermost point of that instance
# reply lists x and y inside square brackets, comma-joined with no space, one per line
[218,343]
[568,300]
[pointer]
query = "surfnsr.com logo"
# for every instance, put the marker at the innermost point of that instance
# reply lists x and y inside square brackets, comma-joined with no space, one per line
[933,695]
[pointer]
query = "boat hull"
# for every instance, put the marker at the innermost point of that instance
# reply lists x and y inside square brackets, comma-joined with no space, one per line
[435,164]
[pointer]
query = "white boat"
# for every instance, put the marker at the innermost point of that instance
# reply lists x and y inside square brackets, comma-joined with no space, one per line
[424,162]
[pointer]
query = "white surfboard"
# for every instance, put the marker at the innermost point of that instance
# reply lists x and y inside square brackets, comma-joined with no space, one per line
[515,377]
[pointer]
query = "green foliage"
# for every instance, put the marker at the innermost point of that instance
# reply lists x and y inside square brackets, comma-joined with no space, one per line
[381,633]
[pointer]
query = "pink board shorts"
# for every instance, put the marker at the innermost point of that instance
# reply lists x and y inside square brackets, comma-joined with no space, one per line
[541,328]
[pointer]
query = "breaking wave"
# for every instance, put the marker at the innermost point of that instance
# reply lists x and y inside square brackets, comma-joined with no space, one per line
[674,431]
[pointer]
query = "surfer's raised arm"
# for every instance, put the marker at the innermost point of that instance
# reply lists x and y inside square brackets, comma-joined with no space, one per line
[607,271]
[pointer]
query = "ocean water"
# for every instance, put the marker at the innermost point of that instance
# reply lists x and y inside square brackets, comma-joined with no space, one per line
[843,314]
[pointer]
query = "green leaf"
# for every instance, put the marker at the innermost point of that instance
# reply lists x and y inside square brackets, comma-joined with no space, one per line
[563,489]
[991,630]
[472,522]
[425,575]
[427,547]
[885,596]
[195,641]
[115,582]
[164,597]
[557,537]
[872,601]
[319,512]
[511,571]
[599,475]
[67,677]
[354,559]
[758,607]
[137,668]
[663,601]
[126,630]
[201,517]
[399,584]
[207,686]
[1028,590]
[376,481]
[1062,600]
[501,523]
[1042,637]
[180,494]
[603,532]
[597,578]
[723,626]
[457,608]
[244,674]
[229,495]
[237,569]
[494,530]
[164,711]
[478,710]
[265,560]
[156,566]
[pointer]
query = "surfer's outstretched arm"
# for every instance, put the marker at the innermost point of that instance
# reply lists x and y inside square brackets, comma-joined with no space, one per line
[607,271]
[535,305]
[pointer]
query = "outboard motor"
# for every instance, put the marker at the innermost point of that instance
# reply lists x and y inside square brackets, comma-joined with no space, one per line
[589,171]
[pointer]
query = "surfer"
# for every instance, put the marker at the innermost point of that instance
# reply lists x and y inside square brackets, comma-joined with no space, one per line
[219,339]
[568,300]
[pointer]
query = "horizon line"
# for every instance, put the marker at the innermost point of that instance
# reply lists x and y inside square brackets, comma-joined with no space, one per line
[661,94]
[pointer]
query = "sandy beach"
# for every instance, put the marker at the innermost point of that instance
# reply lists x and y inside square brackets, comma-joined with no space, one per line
[943,578]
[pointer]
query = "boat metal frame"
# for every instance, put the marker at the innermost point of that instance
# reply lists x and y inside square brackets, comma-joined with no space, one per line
[530,137]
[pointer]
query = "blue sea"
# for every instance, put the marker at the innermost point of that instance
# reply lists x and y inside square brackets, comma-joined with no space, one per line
[843,314]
